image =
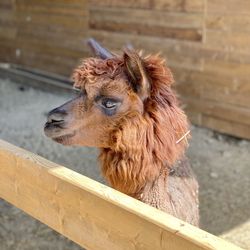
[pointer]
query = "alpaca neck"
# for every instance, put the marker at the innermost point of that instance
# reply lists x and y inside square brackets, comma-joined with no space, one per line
[129,173]
[155,193]
[141,149]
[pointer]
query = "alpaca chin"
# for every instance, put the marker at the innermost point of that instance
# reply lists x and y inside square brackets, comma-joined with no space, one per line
[64,140]
[58,134]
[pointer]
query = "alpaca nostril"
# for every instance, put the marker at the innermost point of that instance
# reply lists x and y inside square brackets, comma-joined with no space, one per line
[57,116]
[52,120]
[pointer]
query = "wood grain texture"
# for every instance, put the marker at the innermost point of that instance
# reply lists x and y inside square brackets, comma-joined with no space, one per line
[6,4]
[228,6]
[234,128]
[65,3]
[223,111]
[228,22]
[227,88]
[142,4]
[43,34]
[54,7]
[164,5]
[169,48]
[228,41]
[91,214]
[180,5]
[148,22]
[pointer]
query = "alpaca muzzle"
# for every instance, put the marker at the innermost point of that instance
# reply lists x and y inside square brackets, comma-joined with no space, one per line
[59,122]
[55,123]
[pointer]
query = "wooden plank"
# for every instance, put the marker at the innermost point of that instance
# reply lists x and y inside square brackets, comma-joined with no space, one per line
[149,30]
[219,110]
[6,4]
[229,6]
[91,214]
[228,41]
[64,42]
[222,54]
[51,49]
[142,4]
[40,55]
[71,3]
[168,47]
[154,17]
[50,76]
[226,80]
[191,90]
[7,54]
[228,22]
[227,68]
[154,23]
[166,5]
[55,10]
[44,34]
[9,32]
[6,17]
[223,126]
[220,125]
[54,7]
[50,64]
[63,22]
[226,96]
[7,48]
[180,5]
[36,78]
[214,93]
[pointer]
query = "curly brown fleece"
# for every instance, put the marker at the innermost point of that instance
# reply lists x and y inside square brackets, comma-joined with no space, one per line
[142,144]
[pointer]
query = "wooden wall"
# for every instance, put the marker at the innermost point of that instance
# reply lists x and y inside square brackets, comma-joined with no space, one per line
[206,43]
[44,34]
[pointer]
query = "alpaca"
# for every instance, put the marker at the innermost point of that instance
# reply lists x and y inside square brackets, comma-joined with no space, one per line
[127,109]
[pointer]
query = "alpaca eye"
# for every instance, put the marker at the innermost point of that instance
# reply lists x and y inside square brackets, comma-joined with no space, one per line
[108,104]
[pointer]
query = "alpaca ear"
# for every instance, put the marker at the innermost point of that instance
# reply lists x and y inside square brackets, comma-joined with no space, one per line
[98,50]
[137,74]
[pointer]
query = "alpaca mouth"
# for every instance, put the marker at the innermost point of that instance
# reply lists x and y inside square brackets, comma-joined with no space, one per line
[54,124]
[57,132]
[63,139]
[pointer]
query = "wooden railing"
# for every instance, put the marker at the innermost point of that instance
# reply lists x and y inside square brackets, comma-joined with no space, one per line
[89,213]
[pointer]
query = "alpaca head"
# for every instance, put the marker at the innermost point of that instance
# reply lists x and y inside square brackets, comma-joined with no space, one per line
[105,97]
[125,104]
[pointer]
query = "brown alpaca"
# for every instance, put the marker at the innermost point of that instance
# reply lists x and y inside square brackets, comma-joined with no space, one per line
[127,109]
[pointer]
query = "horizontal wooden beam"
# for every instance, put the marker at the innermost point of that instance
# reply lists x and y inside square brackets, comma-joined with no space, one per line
[89,213]
[187,26]
[163,5]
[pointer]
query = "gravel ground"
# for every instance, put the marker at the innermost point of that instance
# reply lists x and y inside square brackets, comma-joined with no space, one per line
[221,163]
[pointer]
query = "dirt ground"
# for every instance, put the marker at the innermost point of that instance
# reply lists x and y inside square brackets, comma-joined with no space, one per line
[221,163]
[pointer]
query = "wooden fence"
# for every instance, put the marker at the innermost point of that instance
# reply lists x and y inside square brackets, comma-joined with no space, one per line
[89,213]
[206,43]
